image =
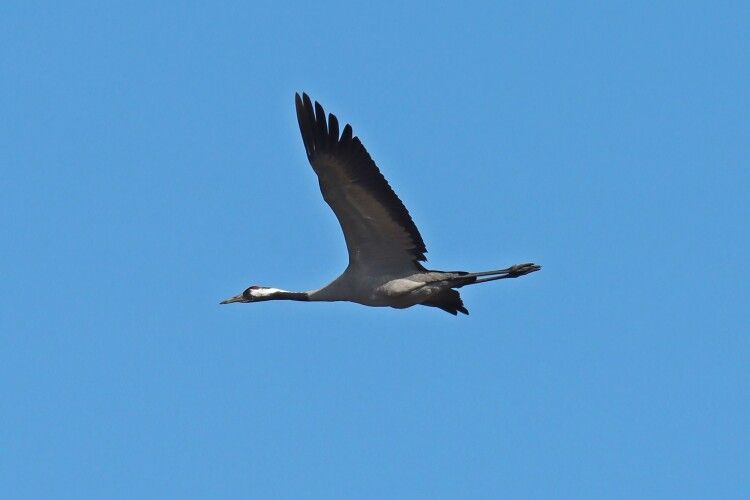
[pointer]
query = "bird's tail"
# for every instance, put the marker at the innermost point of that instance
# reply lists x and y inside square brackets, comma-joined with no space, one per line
[449,301]
[484,276]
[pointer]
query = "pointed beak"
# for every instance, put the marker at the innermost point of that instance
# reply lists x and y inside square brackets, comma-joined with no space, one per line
[236,298]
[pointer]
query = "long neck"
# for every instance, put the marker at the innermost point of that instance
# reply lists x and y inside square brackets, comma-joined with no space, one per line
[284,295]
[279,294]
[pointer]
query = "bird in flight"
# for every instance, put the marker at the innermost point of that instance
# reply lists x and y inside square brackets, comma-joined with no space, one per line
[385,247]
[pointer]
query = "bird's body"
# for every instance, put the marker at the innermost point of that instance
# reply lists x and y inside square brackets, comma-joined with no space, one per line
[384,245]
[394,291]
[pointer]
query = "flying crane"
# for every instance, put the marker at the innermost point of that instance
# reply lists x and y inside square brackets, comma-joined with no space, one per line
[384,245]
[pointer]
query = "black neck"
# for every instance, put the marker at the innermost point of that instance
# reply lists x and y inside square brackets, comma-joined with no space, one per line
[292,296]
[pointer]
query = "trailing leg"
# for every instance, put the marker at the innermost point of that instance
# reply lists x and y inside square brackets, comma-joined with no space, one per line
[515,271]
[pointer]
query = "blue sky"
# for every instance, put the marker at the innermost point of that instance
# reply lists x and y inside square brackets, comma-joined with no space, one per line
[152,165]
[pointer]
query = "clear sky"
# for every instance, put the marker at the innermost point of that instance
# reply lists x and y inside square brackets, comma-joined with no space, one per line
[152,166]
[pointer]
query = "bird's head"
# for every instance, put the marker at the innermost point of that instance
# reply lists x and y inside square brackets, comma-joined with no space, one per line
[253,293]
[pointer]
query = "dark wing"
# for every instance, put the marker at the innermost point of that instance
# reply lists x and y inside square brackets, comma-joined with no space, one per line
[380,234]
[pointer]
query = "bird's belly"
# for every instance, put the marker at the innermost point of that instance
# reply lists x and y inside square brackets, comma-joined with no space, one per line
[400,293]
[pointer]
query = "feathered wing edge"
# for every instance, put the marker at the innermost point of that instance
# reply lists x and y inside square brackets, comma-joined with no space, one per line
[321,136]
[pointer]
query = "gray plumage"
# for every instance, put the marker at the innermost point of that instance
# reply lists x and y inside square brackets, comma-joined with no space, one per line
[384,245]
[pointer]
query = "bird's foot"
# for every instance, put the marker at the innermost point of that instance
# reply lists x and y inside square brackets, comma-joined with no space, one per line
[522,269]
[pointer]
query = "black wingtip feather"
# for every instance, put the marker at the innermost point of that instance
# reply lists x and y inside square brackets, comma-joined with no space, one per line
[346,135]
[333,130]
[305,125]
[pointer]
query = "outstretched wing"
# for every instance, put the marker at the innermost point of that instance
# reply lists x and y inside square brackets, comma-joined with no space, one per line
[380,234]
